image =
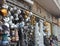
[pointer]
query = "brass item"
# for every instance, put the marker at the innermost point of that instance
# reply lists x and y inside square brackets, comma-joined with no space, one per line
[4,12]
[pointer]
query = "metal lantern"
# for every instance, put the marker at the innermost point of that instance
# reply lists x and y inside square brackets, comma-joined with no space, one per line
[6,19]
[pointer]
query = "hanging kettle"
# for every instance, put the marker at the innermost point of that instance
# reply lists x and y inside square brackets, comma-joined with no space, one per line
[6,19]
[45,24]
[22,24]
[18,11]
[5,6]
[26,14]
[30,14]
[4,12]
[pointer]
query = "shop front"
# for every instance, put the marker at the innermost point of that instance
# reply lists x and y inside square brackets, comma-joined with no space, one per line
[20,27]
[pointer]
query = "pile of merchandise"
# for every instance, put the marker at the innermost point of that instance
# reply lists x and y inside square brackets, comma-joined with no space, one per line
[16,25]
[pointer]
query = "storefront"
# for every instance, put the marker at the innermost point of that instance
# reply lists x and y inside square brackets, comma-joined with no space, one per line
[22,26]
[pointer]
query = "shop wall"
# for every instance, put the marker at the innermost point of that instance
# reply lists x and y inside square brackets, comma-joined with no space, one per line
[43,13]
[55,20]
[37,9]
[59,21]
